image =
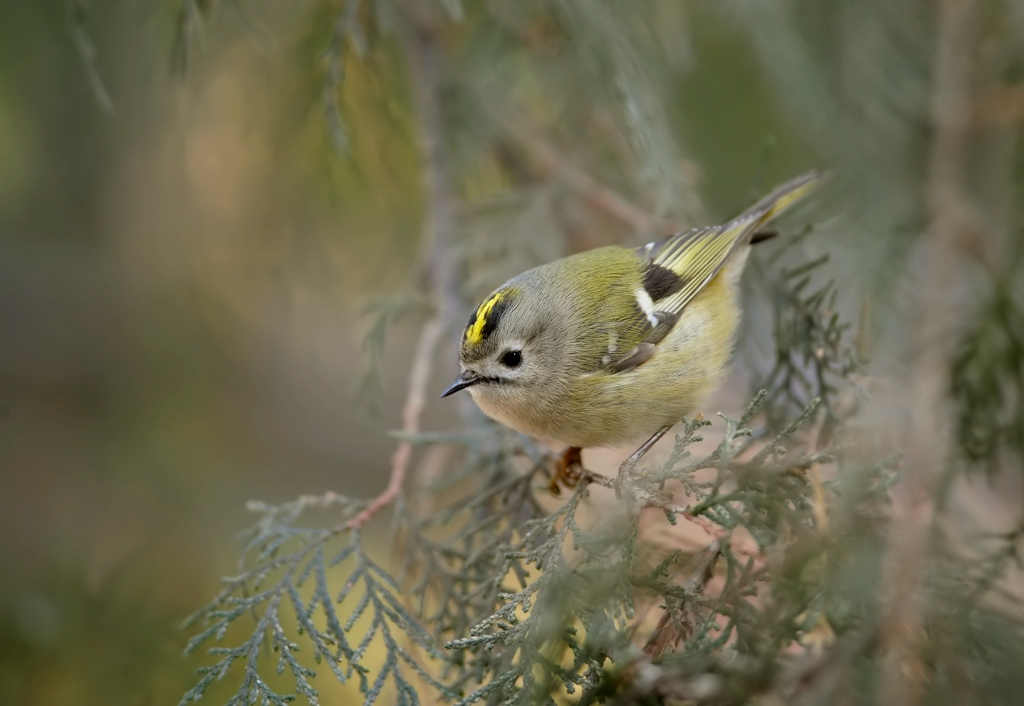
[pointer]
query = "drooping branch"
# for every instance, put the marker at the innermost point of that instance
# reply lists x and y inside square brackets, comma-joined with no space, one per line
[933,338]
[419,376]
[423,57]
[77,10]
[424,64]
[599,196]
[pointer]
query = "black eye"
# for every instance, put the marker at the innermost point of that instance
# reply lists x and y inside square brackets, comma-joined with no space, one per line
[511,359]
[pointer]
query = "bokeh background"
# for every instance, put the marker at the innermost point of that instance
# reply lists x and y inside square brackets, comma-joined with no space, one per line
[190,244]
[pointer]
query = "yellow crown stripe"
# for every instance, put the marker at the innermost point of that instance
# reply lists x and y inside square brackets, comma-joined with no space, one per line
[475,331]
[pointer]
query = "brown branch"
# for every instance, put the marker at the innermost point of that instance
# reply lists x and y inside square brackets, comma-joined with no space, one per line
[424,66]
[933,338]
[599,196]
[1002,107]
[423,57]
[814,477]
[415,401]
[668,631]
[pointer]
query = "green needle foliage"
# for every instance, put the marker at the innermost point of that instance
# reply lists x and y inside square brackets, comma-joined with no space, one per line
[506,603]
[834,566]
[286,568]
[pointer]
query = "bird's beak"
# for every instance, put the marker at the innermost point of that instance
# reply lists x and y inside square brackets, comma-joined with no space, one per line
[465,379]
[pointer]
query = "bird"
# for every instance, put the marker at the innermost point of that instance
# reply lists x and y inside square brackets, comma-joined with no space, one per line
[615,344]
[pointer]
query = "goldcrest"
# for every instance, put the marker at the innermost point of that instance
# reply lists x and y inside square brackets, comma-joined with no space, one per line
[610,345]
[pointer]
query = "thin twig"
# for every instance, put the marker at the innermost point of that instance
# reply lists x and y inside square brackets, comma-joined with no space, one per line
[814,477]
[77,11]
[424,65]
[667,631]
[346,25]
[651,501]
[599,196]
[419,376]
[738,546]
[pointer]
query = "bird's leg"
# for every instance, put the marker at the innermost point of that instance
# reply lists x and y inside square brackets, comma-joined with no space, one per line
[627,466]
[568,469]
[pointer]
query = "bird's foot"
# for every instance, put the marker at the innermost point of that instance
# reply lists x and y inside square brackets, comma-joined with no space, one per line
[568,470]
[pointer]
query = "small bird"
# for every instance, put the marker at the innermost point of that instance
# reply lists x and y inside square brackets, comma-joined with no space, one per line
[615,344]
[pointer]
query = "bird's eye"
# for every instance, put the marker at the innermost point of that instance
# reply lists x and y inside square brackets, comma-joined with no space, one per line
[511,359]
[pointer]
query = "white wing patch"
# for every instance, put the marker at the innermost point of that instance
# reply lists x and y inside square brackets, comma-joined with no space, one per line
[613,348]
[646,306]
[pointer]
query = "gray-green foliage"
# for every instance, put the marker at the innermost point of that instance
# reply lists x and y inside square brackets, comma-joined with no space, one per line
[526,604]
[285,567]
[493,599]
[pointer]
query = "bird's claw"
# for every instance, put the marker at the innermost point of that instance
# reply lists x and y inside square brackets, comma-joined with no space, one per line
[568,470]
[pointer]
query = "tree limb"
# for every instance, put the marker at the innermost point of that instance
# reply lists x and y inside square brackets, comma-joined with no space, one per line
[933,339]
[423,58]
[599,196]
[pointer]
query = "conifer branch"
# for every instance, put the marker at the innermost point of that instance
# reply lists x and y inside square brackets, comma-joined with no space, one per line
[597,195]
[935,334]
[440,225]
[419,377]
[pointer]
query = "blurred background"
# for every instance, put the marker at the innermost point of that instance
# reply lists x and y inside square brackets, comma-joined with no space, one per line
[201,201]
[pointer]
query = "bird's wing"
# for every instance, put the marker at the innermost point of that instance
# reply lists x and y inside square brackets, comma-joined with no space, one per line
[676,269]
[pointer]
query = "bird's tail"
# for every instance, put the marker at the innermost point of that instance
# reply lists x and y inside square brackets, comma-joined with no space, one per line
[782,198]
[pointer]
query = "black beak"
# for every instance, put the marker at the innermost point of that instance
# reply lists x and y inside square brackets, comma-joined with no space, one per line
[465,379]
